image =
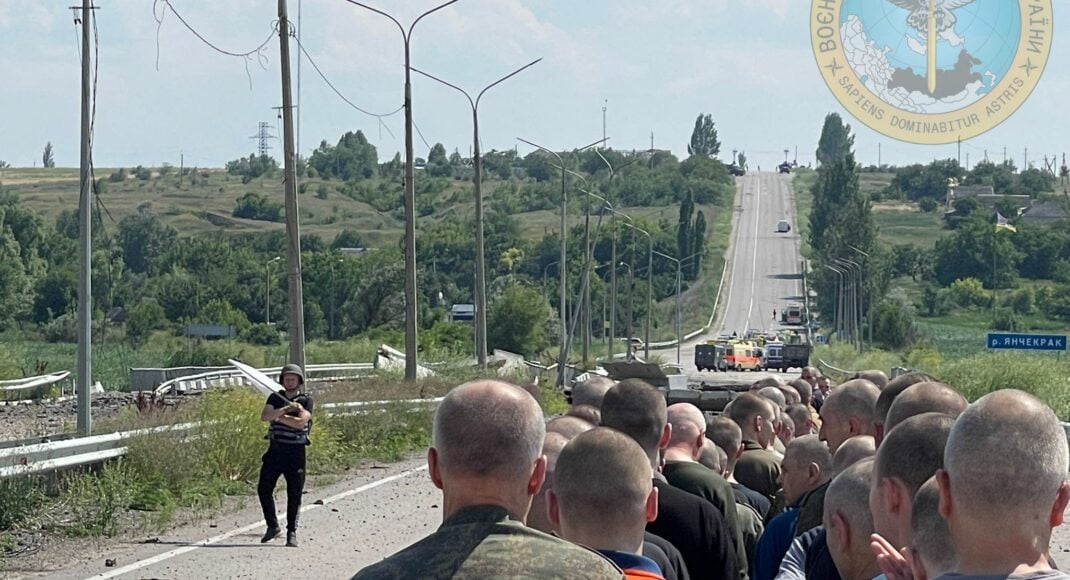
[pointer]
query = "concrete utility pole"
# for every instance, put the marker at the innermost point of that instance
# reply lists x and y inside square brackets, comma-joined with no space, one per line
[85,245]
[411,327]
[296,328]
[477,180]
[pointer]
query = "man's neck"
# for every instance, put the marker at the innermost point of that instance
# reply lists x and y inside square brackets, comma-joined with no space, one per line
[468,493]
[753,438]
[996,554]
[601,538]
[291,394]
[682,454]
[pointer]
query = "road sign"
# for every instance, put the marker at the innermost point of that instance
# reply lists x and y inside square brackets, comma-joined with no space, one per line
[1027,341]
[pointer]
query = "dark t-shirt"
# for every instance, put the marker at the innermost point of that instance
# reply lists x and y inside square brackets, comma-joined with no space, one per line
[666,555]
[748,496]
[698,530]
[695,478]
[759,470]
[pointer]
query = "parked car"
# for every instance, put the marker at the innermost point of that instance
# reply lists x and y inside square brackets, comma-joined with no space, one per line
[783,226]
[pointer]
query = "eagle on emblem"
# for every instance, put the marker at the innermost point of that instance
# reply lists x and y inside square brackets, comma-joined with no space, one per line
[919,13]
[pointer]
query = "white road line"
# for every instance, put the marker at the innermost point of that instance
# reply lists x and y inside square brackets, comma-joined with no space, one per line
[216,539]
[754,260]
[735,254]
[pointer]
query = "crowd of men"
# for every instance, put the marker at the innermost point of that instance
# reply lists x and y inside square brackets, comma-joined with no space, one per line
[900,479]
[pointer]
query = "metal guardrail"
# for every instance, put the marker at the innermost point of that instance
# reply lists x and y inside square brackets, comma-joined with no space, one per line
[229,377]
[834,369]
[17,387]
[56,455]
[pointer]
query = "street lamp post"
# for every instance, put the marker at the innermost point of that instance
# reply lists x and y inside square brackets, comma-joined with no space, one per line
[613,251]
[267,288]
[679,331]
[477,160]
[562,358]
[855,281]
[867,292]
[410,194]
[839,299]
[649,287]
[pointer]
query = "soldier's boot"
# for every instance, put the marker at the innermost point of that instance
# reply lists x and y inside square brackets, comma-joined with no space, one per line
[271,533]
[291,539]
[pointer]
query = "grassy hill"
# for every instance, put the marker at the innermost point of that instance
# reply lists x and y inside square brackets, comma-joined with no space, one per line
[204,206]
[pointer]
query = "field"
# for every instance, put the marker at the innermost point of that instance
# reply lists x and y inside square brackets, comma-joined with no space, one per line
[901,223]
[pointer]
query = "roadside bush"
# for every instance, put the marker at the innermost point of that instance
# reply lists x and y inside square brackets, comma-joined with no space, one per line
[143,319]
[20,500]
[61,329]
[262,334]
[969,293]
[936,300]
[1006,319]
[1023,301]
[928,205]
[1041,375]
[95,502]
[893,324]
[254,206]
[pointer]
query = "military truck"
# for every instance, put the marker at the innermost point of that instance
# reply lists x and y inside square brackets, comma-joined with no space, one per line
[796,352]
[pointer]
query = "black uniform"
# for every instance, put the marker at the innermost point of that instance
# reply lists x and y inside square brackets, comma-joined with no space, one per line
[286,457]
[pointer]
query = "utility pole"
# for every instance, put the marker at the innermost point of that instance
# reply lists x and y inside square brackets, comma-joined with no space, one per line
[960,151]
[85,245]
[1025,160]
[605,105]
[296,328]
[879,163]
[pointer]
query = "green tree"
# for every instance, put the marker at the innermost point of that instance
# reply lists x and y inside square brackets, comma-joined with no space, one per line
[698,245]
[517,321]
[741,160]
[836,142]
[254,206]
[348,238]
[142,319]
[894,323]
[683,228]
[437,154]
[143,238]
[977,250]
[353,158]
[704,141]
[47,158]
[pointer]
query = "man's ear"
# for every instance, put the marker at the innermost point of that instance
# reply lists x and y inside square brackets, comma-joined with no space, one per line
[1061,499]
[739,452]
[813,473]
[758,423]
[943,484]
[652,505]
[855,427]
[842,530]
[553,509]
[892,492]
[666,434]
[538,476]
[433,467]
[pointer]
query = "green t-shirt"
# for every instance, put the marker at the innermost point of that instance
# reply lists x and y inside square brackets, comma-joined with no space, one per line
[699,480]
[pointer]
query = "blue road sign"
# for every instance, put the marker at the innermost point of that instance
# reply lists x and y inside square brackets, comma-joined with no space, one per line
[1027,341]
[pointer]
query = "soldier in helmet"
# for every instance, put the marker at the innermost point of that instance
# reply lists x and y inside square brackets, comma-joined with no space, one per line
[289,417]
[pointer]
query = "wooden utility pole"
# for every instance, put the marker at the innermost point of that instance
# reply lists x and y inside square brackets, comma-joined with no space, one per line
[296,328]
[85,244]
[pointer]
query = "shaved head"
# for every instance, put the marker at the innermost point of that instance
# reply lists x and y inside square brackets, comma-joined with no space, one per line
[852,451]
[775,395]
[896,386]
[602,481]
[805,390]
[803,451]
[791,395]
[587,413]
[727,436]
[931,538]
[765,382]
[914,451]
[848,411]
[568,426]
[800,416]
[538,517]
[688,423]
[878,378]
[1006,460]
[746,408]
[488,429]
[636,409]
[713,457]
[592,391]
[921,398]
[849,523]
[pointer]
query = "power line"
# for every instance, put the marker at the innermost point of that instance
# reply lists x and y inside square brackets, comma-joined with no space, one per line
[245,56]
[379,116]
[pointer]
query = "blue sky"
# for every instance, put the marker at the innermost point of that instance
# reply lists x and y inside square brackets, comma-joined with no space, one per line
[659,63]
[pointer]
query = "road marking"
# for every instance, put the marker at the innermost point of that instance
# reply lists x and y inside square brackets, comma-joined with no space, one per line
[754,260]
[216,539]
[735,254]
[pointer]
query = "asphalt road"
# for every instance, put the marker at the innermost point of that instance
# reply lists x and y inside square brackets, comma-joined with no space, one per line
[763,268]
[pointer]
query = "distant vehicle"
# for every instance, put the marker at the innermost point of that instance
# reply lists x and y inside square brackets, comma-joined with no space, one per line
[742,356]
[784,167]
[736,170]
[783,226]
[792,315]
[796,356]
[773,356]
[711,357]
